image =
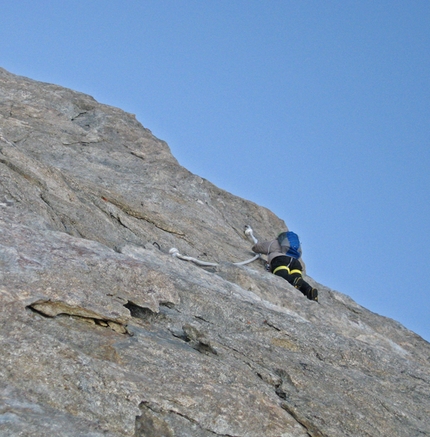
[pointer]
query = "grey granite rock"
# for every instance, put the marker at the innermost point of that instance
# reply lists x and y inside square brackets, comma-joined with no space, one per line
[103,333]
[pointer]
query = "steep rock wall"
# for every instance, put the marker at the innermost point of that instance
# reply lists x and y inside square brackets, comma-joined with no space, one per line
[103,333]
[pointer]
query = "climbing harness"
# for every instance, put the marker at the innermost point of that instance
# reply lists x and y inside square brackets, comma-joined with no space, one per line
[248,232]
[290,272]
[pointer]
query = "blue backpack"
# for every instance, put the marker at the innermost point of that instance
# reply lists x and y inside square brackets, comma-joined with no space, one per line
[290,244]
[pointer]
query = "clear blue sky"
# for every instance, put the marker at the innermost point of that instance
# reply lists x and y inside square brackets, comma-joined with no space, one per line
[318,110]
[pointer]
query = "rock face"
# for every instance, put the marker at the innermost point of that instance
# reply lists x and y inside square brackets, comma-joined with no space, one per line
[104,333]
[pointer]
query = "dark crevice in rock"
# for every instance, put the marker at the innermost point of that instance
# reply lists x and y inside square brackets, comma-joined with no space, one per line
[140,312]
[34,310]
[195,339]
[311,429]
[117,218]
[266,322]
[285,384]
[79,115]
[198,340]
[155,421]
[57,309]
[285,390]
[137,154]
[21,172]
[169,305]
[205,349]
[203,319]
[281,393]
[85,119]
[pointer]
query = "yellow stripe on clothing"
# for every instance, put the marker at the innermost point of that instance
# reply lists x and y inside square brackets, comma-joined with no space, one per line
[290,272]
[281,268]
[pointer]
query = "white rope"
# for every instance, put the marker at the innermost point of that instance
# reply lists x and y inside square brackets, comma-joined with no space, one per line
[257,255]
[248,232]
[175,252]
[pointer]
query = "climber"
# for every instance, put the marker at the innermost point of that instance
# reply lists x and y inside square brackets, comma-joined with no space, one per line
[283,258]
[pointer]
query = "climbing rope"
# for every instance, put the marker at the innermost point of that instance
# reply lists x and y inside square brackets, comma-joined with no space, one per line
[248,232]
